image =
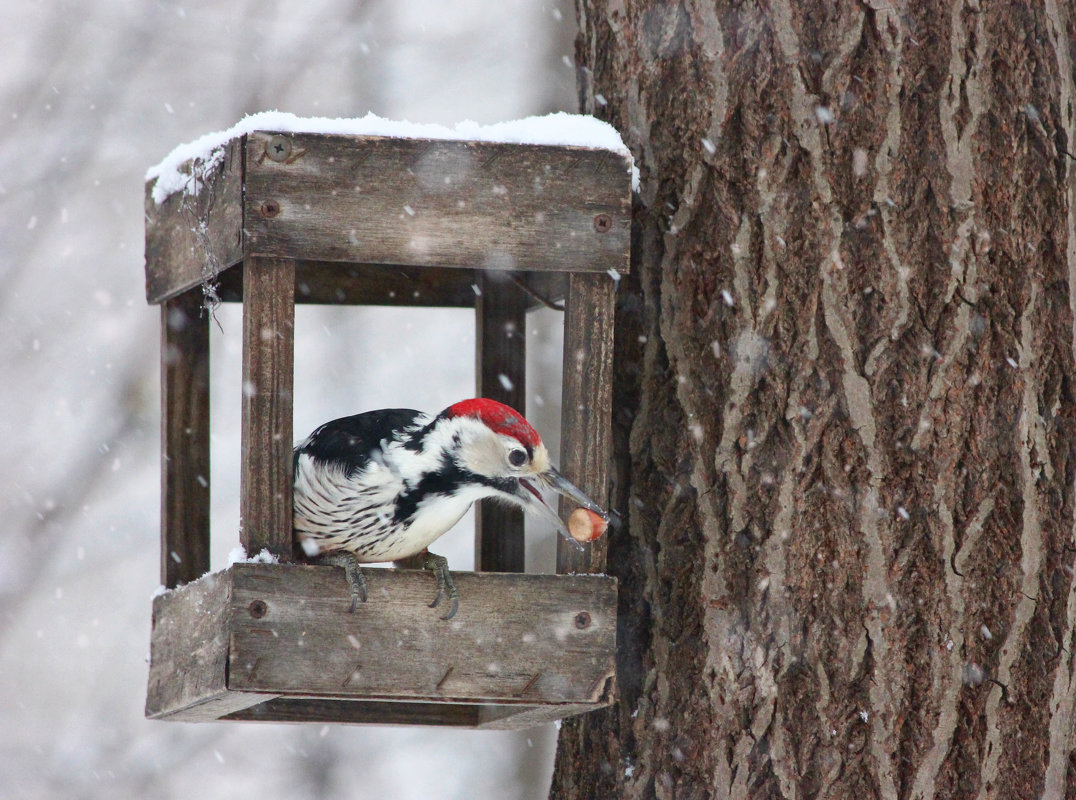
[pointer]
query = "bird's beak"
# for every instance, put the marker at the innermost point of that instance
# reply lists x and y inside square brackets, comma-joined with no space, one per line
[532,499]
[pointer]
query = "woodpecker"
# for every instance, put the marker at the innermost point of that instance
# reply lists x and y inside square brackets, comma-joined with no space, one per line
[383,485]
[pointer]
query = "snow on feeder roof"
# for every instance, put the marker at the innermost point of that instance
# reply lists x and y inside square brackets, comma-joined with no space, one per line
[568,130]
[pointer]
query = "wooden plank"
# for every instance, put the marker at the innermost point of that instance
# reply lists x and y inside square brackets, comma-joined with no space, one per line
[383,285]
[517,718]
[368,199]
[268,357]
[527,639]
[358,712]
[375,712]
[543,289]
[191,236]
[326,283]
[501,374]
[586,410]
[189,654]
[184,439]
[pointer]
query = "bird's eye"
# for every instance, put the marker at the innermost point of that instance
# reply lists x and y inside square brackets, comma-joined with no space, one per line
[517,458]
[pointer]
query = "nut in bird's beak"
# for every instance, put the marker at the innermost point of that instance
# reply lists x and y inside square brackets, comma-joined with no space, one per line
[531,498]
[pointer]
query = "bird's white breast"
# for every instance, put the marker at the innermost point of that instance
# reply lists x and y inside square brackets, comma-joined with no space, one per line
[337,512]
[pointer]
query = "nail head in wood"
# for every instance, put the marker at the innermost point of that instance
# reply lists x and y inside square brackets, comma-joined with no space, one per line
[269,209]
[278,148]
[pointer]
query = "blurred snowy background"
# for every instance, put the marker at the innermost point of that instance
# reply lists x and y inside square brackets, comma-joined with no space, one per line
[94,92]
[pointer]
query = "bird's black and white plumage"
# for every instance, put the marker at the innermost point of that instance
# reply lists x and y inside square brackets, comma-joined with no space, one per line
[383,485]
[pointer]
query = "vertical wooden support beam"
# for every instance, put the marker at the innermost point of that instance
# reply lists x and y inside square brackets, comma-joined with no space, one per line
[501,373]
[184,439]
[586,412]
[268,358]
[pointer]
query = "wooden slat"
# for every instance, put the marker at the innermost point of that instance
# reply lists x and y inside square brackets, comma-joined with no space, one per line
[358,712]
[326,283]
[184,439]
[501,374]
[517,718]
[586,414]
[189,654]
[268,356]
[527,639]
[544,289]
[383,285]
[190,236]
[376,712]
[367,199]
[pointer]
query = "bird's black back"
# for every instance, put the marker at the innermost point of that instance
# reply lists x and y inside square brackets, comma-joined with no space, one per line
[351,442]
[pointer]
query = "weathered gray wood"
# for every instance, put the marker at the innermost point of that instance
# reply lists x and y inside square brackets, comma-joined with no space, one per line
[358,712]
[378,712]
[189,654]
[369,199]
[268,356]
[322,282]
[523,207]
[184,439]
[191,236]
[529,639]
[586,409]
[275,642]
[543,289]
[501,374]
[331,283]
[517,718]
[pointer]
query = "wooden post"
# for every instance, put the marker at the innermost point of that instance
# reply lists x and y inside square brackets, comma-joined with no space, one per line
[184,439]
[501,373]
[586,412]
[268,357]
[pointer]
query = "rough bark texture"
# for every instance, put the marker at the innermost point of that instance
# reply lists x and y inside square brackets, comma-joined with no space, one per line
[844,419]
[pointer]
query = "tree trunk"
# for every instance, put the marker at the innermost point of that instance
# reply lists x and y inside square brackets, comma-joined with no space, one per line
[844,416]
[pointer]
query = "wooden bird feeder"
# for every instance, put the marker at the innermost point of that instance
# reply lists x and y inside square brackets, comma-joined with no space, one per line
[275,219]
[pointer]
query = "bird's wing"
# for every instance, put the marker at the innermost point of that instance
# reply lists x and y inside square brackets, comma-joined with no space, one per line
[352,442]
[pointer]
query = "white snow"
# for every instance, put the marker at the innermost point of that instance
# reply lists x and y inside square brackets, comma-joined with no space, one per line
[572,130]
[239,556]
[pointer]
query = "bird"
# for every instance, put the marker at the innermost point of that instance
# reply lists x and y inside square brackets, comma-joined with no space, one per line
[383,485]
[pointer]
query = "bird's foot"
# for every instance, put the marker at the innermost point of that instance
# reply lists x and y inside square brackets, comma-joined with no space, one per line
[352,569]
[445,586]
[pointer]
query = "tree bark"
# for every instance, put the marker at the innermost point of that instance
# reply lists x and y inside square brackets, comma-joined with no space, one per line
[844,403]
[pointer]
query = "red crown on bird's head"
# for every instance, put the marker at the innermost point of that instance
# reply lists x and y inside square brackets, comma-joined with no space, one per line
[498,417]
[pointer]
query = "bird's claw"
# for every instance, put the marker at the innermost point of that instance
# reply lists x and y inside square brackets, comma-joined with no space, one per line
[445,585]
[356,581]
